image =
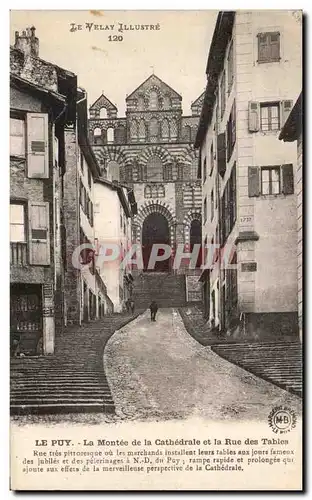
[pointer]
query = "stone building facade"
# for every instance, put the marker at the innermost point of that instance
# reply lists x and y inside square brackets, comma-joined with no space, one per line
[293,131]
[254,74]
[151,150]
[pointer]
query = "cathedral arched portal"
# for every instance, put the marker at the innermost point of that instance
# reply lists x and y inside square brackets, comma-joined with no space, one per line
[155,231]
[155,224]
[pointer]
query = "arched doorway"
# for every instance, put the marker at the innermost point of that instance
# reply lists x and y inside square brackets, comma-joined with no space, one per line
[195,238]
[155,230]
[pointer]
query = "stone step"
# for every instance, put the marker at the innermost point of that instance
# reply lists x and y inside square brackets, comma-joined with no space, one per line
[61,408]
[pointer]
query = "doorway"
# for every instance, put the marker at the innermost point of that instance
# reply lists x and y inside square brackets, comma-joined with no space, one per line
[155,230]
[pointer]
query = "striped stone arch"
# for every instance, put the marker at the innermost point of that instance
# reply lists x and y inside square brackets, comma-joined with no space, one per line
[187,157]
[111,153]
[163,154]
[187,221]
[160,207]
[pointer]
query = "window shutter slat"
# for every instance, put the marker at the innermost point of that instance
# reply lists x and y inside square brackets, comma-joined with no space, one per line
[253,181]
[39,233]
[253,116]
[288,179]
[286,107]
[37,145]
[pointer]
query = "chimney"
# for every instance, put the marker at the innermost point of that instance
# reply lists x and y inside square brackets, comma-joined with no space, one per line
[27,42]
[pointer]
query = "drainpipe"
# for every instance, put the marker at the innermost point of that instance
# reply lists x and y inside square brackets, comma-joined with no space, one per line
[219,217]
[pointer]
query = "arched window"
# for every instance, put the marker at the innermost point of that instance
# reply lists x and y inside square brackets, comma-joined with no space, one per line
[167,102]
[135,173]
[97,135]
[142,131]
[154,169]
[153,100]
[133,130]
[153,130]
[161,191]
[113,171]
[147,192]
[110,135]
[141,103]
[187,133]
[103,113]
[165,129]
[173,129]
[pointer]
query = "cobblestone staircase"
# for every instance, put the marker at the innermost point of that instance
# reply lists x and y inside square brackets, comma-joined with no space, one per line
[278,362]
[73,379]
[168,290]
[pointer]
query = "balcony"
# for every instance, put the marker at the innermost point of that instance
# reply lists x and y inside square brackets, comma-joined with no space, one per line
[18,254]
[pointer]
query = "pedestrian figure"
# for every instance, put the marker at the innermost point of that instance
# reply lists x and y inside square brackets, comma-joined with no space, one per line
[132,305]
[127,304]
[153,308]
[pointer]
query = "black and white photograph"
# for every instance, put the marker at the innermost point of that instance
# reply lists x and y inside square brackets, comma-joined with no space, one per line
[156,250]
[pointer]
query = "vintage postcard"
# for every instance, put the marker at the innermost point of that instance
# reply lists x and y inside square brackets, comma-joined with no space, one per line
[156,250]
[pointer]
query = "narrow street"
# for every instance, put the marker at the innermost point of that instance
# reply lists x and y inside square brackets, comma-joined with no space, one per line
[157,370]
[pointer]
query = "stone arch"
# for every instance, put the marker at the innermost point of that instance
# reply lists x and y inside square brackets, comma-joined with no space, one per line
[192,214]
[163,154]
[148,208]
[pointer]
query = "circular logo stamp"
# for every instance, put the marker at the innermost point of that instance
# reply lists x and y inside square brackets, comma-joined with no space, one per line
[282,419]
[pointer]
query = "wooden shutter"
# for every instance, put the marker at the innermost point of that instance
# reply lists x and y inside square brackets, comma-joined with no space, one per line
[253,181]
[288,179]
[286,107]
[39,233]
[37,145]
[221,146]
[274,41]
[253,116]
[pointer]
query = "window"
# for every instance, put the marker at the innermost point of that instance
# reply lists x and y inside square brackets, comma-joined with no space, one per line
[211,205]
[205,170]
[155,168]
[270,180]
[211,158]
[231,132]
[173,129]
[153,100]
[17,223]
[270,116]
[165,129]
[142,131]
[81,161]
[147,192]
[230,67]
[205,209]
[17,137]
[89,178]
[133,130]
[268,47]
[168,173]
[97,135]
[110,135]
[153,130]
[103,113]
[228,207]
[222,94]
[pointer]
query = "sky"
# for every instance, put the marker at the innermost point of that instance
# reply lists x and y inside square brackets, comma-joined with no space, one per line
[177,52]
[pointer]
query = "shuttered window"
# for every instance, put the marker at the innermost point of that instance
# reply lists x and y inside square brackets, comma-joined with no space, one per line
[270,116]
[268,47]
[17,137]
[270,180]
[39,237]
[37,145]
[222,95]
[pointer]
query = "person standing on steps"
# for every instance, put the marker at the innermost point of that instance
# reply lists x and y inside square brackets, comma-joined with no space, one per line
[153,308]
[132,307]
